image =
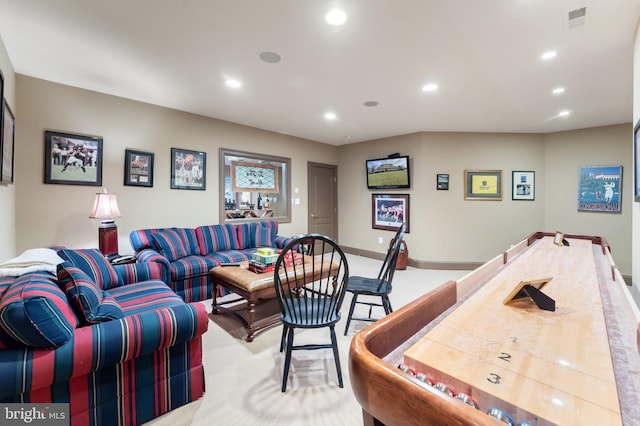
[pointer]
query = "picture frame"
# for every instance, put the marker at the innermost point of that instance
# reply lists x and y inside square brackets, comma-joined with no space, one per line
[484,185]
[636,162]
[442,182]
[188,169]
[388,211]
[8,143]
[138,168]
[558,238]
[248,177]
[600,189]
[518,293]
[523,185]
[72,159]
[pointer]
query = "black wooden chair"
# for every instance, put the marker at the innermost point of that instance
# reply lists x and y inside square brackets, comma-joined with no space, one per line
[379,286]
[310,280]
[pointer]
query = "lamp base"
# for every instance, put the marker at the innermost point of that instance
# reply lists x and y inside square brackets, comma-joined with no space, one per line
[108,239]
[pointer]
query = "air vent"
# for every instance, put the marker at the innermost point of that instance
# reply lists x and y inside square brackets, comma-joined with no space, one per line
[577,17]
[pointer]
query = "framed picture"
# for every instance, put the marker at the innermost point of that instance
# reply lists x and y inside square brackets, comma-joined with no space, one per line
[188,169]
[388,211]
[72,159]
[442,182]
[600,189]
[523,185]
[138,168]
[8,143]
[483,185]
[248,177]
[636,162]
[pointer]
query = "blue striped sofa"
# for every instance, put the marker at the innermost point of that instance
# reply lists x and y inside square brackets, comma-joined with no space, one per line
[186,255]
[114,342]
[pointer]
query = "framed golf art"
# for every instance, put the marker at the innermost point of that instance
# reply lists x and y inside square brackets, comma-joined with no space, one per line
[72,159]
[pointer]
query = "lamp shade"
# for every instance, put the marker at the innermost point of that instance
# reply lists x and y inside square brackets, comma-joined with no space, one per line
[105,206]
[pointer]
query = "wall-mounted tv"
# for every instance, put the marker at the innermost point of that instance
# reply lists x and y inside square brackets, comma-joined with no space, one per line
[384,173]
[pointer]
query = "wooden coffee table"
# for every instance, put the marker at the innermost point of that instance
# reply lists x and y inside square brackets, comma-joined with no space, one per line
[253,288]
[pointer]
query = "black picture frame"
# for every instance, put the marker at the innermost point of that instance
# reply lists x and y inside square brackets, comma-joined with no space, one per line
[72,159]
[636,162]
[523,185]
[7,147]
[188,169]
[442,182]
[138,168]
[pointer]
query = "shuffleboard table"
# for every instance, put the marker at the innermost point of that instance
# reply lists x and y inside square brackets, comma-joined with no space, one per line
[575,364]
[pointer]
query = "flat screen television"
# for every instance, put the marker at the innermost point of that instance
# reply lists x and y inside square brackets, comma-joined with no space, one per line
[384,173]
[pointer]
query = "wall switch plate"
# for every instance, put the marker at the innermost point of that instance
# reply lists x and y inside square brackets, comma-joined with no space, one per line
[380,240]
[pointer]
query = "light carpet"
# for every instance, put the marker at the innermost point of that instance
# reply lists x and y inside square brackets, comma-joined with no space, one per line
[243,380]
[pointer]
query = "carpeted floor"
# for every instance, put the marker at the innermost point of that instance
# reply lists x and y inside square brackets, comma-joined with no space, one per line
[243,379]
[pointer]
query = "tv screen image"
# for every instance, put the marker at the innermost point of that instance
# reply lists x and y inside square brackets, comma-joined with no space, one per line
[384,173]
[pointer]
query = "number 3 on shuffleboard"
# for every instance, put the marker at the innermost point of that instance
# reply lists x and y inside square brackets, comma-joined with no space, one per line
[494,378]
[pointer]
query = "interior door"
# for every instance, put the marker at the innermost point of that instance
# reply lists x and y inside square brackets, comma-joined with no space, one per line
[323,199]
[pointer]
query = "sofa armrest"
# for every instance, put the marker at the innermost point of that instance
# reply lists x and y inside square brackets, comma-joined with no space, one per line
[281,241]
[101,345]
[151,256]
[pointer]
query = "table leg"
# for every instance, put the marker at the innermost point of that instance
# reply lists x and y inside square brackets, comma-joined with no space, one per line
[214,299]
[251,313]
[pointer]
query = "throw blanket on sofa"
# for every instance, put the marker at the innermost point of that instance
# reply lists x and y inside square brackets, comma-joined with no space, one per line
[38,259]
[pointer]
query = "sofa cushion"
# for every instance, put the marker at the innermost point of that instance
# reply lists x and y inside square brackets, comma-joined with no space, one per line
[35,312]
[215,238]
[91,303]
[171,245]
[243,234]
[263,234]
[145,296]
[93,263]
[191,266]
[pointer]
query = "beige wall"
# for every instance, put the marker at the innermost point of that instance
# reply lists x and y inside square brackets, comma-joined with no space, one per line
[565,153]
[7,191]
[58,214]
[447,228]
[444,227]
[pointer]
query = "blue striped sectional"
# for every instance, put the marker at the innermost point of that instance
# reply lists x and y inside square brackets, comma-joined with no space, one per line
[186,255]
[115,342]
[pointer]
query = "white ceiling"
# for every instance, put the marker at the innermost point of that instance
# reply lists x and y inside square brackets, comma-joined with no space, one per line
[484,55]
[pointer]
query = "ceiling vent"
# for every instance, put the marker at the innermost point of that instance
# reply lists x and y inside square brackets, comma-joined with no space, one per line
[576,17]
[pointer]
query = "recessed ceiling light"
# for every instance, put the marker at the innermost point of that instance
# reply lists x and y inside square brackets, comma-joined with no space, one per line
[548,55]
[330,116]
[336,17]
[270,57]
[233,83]
[564,113]
[558,90]
[370,103]
[431,87]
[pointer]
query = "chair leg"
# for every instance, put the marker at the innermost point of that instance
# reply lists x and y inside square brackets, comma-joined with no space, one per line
[387,304]
[287,359]
[351,308]
[336,356]
[284,336]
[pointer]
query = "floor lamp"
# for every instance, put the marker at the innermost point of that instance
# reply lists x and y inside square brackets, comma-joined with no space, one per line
[105,207]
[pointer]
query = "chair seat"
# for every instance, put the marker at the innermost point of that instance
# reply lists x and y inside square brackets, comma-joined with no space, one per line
[364,285]
[306,313]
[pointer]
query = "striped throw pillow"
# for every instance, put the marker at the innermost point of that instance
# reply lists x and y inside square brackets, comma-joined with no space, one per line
[171,245]
[91,303]
[95,265]
[36,313]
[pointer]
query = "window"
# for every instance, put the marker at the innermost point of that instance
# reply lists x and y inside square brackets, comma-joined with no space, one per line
[254,187]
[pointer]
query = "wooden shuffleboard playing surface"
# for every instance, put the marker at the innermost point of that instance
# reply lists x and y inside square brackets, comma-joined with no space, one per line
[538,366]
